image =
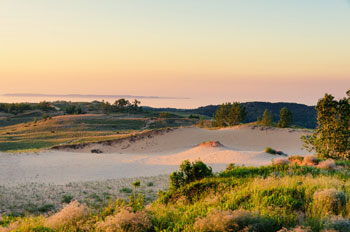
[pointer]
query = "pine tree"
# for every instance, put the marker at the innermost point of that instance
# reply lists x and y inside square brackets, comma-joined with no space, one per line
[230,114]
[267,118]
[286,118]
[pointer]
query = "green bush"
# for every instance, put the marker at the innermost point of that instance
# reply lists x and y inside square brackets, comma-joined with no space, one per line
[270,151]
[67,199]
[189,172]
[126,190]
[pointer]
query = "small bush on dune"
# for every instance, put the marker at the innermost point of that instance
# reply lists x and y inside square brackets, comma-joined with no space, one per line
[310,160]
[280,161]
[298,159]
[70,215]
[270,151]
[236,221]
[328,202]
[327,164]
[125,221]
[189,172]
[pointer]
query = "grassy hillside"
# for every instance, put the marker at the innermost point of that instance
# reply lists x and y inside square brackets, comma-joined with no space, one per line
[72,129]
[280,198]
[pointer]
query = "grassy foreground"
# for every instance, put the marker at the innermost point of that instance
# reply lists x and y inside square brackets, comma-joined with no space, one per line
[281,197]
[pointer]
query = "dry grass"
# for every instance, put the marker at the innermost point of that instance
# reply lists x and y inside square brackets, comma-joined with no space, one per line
[310,160]
[30,197]
[296,159]
[24,225]
[328,202]
[296,229]
[221,221]
[125,221]
[70,215]
[327,164]
[280,161]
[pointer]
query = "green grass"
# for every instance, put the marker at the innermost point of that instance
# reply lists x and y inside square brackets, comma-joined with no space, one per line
[264,199]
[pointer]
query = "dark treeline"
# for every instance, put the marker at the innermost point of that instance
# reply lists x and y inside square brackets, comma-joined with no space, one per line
[120,105]
[303,115]
[15,108]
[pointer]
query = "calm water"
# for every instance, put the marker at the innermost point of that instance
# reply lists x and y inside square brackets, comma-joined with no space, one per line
[157,102]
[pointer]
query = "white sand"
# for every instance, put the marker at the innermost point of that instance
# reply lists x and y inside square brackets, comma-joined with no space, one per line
[150,156]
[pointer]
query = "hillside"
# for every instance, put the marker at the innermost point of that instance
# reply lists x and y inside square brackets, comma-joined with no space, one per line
[73,129]
[304,116]
[274,198]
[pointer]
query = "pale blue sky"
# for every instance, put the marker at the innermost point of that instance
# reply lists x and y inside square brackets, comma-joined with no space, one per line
[179,48]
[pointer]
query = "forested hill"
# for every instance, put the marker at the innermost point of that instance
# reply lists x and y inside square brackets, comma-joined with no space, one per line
[303,115]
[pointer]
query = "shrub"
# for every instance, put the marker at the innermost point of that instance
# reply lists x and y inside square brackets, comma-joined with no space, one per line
[337,225]
[298,159]
[189,172]
[126,190]
[327,164]
[310,160]
[149,184]
[280,161]
[70,215]
[328,202]
[239,220]
[67,199]
[270,151]
[125,221]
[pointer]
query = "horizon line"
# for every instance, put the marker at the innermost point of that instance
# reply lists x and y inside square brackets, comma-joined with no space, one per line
[89,96]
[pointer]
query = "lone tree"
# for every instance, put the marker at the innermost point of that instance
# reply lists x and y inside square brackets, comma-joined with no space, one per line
[286,118]
[230,114]
[266,118]
[332,136]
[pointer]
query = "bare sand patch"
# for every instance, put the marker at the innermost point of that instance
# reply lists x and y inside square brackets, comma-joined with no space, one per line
[43,178]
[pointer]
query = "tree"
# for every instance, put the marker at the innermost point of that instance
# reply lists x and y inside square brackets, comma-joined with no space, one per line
[201,121]
[286,118]
[332,136]
[267,118]
[121,104]
[230,114]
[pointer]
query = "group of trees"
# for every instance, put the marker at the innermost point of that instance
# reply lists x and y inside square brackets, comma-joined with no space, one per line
[74,109]
[16,108]
[122,105]
[332,136]
[286,118]
[229,114]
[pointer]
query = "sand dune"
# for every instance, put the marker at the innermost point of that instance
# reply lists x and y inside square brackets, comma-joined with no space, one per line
[150,154]
[214,155]
[244,138]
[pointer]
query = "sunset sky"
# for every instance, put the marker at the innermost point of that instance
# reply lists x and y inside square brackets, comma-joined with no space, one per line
[210,51]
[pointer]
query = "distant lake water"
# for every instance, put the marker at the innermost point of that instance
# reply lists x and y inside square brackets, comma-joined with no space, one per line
[186,103]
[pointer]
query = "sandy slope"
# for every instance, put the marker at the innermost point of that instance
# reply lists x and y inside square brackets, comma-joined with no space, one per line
[151,155]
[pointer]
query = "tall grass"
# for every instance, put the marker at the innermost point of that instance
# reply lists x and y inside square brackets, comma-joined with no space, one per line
[270,199]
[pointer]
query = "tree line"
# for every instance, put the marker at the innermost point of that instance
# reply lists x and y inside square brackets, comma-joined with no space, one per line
[15,108]
[231,114]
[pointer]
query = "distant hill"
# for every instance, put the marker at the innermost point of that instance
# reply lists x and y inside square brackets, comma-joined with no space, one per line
[304,116]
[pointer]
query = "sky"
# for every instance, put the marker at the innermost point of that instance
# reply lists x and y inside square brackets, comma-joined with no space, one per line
[205,51]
